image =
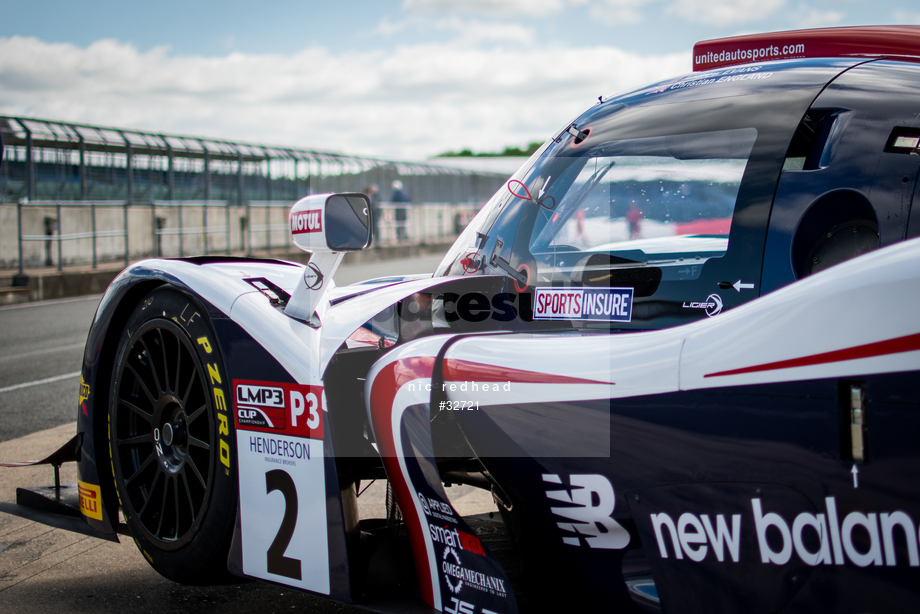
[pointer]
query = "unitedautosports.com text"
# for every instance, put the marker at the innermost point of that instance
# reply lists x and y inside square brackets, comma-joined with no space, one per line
[772,52]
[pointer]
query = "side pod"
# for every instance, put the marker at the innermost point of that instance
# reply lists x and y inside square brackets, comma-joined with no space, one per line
[455,570]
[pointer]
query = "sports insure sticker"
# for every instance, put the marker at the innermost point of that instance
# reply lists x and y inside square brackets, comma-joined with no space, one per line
[279,436]
[596,304]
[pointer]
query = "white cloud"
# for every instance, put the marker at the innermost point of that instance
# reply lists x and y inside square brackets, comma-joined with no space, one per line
[387,27]
[806,17]
[903,17]
[724,12]
[412,101]
[494,8]
[475,32]
[618,12]
[464,31]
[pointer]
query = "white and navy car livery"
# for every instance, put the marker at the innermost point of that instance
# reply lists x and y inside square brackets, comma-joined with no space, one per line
[680,348]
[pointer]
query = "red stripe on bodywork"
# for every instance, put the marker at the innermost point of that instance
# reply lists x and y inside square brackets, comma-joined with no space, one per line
[383,392]
[464,370]
[909,343]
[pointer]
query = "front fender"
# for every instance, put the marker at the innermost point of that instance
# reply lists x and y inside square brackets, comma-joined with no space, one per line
[213,286]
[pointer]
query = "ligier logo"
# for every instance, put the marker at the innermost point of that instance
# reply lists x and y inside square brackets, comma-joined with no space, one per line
[712,305]
[599,304]
[587,515]
[306,221]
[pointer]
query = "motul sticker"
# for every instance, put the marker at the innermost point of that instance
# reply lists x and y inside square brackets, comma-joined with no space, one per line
[598,304]
[304,222]
[273,407]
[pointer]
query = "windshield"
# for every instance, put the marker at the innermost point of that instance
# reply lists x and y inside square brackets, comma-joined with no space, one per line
[665,201]
[662,201]
[655,204]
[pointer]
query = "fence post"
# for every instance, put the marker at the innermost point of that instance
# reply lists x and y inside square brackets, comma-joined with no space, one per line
[154,252]
[129,170]
[228,226]
[207,192]
[127,251]
[30,162]
[248,230]
[204,222]
[82,168]
[60,242]
[92,213]
[181,231]
[171,187]
[22,272]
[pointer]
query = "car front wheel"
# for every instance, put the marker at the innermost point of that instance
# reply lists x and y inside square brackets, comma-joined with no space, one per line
[170,439]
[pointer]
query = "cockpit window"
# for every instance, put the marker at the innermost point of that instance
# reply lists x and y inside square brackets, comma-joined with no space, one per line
[663,201]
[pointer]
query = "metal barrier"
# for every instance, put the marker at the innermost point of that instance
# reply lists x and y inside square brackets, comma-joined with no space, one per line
[268,227]
[191,227]
[158,224]
[429,222]
[49,237]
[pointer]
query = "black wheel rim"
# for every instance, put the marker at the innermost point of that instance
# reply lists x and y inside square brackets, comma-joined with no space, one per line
[163,435]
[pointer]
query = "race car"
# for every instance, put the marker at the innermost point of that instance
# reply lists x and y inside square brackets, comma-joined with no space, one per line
[679,347]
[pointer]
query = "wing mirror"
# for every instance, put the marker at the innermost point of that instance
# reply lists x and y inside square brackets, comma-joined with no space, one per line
[327,226]
[331,222]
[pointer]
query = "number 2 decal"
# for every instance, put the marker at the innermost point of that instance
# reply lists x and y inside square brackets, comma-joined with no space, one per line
[287,541]
[277,562]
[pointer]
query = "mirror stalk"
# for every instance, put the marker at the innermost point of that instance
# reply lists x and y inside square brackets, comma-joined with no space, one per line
[317,279]
[327,226]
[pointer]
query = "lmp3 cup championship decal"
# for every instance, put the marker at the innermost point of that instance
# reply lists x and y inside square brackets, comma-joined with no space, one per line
[288,408]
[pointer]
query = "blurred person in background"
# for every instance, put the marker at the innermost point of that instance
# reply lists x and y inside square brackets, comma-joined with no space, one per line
[634,217]
[400,196]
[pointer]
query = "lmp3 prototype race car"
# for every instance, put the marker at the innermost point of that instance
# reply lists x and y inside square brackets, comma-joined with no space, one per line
[680,347]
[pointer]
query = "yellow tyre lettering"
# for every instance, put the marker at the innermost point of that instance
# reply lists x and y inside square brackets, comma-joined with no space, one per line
[203,342]
[225,453]
[219,399]
[220,402]
[214,374]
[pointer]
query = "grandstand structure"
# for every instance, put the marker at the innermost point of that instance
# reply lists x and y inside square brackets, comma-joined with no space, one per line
[55,160]
[76,193]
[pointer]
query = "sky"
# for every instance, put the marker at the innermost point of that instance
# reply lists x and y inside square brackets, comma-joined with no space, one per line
[389,78]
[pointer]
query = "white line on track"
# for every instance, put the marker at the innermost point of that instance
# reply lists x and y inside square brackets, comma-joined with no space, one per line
[93,297]
[39,382]
[60,348]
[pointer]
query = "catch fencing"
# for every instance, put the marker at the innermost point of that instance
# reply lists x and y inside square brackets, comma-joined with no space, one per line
[77,194]
[69,233]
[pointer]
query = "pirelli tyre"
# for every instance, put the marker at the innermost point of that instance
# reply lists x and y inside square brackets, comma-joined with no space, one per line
[171,438]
